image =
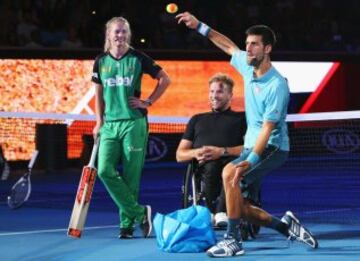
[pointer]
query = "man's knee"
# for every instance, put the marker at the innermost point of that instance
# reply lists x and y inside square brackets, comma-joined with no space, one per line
[228,173]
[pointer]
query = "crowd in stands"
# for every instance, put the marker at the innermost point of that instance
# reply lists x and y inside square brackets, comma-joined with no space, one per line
[316,25]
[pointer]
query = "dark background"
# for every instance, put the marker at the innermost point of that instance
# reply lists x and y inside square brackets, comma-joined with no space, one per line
[317,25]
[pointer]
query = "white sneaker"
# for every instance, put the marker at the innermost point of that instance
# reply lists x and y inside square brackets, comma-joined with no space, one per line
[226,248]
[221,219]
[146,224]
[298,231]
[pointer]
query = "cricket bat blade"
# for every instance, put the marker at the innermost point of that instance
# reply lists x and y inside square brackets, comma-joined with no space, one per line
[82,202]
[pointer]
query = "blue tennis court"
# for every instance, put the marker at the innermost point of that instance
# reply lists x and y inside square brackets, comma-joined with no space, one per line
[326,199]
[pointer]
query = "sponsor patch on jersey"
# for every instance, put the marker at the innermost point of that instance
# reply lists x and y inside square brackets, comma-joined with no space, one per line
[119,81]
[106,69]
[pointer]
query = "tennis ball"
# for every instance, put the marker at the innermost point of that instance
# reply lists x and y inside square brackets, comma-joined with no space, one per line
[172,8]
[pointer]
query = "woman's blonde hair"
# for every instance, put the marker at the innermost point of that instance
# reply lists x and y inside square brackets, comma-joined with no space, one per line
[107,28]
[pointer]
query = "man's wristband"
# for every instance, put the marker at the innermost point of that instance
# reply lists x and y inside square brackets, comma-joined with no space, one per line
[253,158]
[203,29]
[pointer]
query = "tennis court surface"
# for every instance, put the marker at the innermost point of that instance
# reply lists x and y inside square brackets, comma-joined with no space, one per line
[320,183]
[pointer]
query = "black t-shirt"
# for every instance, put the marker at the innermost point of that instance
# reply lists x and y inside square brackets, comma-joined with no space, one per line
[222,129]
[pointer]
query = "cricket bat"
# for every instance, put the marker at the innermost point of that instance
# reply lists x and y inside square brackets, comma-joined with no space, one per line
[83,196]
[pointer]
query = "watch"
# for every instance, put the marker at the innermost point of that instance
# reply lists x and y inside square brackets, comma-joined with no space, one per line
[148,102]
[225,152]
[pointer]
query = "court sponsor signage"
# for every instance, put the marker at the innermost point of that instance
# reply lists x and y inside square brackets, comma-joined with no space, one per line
[157,149]
[341,141]
[162,147]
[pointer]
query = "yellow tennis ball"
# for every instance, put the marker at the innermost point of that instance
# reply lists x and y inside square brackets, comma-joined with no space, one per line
[172,8]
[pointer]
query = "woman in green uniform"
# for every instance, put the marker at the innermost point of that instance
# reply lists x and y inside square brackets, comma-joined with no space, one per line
[121,121]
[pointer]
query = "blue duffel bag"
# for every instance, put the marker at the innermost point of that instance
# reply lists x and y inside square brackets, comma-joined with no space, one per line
[186,230]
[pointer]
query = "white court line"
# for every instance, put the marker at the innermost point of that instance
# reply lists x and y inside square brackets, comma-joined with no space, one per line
[321,211]
[50,231]
[111,226]
[330,210]
[52,200]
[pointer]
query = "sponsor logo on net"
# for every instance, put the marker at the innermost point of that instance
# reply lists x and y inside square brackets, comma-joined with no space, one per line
[341,141]
[157,149]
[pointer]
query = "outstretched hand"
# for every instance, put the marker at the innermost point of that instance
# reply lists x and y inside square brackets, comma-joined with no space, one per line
[188,19]
[241,168]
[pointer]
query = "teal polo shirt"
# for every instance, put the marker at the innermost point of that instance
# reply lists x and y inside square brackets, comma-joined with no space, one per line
[266,99]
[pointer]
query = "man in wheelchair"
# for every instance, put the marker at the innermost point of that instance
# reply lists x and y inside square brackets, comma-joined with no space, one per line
[211,140]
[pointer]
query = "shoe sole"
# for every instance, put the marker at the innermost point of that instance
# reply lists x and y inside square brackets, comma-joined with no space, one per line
[239,253]
[126,237]
[148,216]
[221,224]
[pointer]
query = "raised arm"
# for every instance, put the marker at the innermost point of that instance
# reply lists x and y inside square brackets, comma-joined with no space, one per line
[220,40]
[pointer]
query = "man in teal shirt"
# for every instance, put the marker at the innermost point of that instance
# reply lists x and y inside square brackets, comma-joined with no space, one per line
[266,99]
[266,143]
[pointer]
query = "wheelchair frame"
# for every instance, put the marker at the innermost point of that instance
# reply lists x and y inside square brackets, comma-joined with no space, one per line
[191,186]
[192,195]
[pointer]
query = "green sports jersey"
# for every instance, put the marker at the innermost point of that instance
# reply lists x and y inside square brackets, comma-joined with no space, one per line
[121,78]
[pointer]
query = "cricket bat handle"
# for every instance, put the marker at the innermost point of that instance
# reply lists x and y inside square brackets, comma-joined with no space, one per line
[94,153]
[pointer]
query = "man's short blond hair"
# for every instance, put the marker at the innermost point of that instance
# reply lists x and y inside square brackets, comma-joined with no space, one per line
[224,79]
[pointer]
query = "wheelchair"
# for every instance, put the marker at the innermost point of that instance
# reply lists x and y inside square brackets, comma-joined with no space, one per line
[193,194]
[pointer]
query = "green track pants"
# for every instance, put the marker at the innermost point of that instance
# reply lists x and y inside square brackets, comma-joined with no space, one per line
[124,142]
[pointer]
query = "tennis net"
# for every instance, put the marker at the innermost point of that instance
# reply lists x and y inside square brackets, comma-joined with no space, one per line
[315,137]
[320,181]
[22,132]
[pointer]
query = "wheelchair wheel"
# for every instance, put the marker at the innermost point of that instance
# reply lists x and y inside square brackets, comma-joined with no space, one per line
[187,188]
[248,230]
[191,196]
